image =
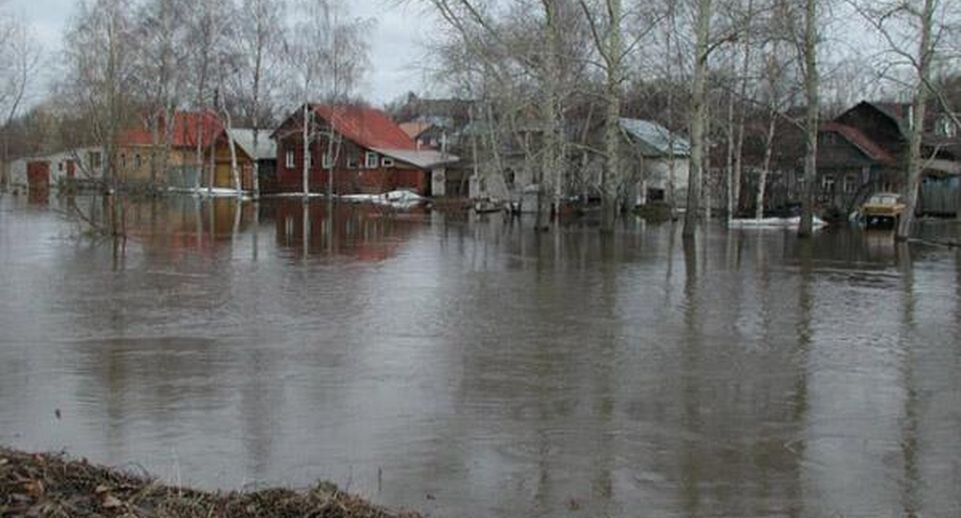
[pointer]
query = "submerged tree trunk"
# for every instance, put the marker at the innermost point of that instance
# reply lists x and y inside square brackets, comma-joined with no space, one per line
[305,152]
[766,167]
[698,116]
[811,84]
[914,166]
[739,146]
[612,133]
[550,170]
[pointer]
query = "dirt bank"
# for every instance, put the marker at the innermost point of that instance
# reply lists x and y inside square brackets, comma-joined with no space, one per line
[53,485]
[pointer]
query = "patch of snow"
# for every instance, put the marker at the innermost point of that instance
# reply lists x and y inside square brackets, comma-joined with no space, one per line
[215,192]
[794,222]
[403,199]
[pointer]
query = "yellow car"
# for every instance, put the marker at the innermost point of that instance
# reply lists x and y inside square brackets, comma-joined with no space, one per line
[883,208]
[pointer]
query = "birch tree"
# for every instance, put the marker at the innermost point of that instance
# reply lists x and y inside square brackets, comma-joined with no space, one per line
[98,51]
[326,56]
[161,37]
[258,42]
[912,31]
[610,48]
[698,114]
[809,50]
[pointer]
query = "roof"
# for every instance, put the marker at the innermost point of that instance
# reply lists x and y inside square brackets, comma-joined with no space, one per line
[424,159]
[244,137]
[368,127]
[654,139]
[186,129]
[415,128]
[867,146]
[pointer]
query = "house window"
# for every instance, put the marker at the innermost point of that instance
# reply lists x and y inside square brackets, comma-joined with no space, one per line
[137,160]
[326,162]
[371,160]
[850,183]
[387,162]
[93,158]
[351,162]
[289,162]
[123,160]
[59,166]
[827,183]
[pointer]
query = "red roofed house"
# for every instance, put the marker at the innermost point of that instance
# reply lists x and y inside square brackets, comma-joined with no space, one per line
[372,154]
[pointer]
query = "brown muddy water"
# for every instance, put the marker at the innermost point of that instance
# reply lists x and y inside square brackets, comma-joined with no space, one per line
[470,367]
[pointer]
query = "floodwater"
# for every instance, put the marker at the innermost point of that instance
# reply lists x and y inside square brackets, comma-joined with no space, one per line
[469,367]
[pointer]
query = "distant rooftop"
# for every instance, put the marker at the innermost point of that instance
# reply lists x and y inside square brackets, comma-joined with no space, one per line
[655,140]
[266,146]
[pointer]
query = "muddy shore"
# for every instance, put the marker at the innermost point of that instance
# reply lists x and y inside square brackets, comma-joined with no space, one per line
[38,484]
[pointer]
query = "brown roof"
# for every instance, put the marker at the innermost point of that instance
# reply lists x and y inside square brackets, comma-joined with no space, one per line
[187,127]
[867,146]
[368,127]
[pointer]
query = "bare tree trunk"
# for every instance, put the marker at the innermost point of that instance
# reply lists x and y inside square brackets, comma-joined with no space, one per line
[729,166]
[698,116]
[811,84]
[550,171]
[915,165]
[612,133]
[739,146]
[305,152]
[766,167]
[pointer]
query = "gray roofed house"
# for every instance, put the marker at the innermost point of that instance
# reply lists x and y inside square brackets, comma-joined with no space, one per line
[244,138]
[654,140]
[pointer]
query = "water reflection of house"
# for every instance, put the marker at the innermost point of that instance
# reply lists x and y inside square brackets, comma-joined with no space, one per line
[371,153]
[363,232]
[173,225]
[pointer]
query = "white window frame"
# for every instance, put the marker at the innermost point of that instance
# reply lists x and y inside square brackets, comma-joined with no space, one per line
[352,162]
[827,182]
[289,162]
[387,162]
[371,159]
[326,162]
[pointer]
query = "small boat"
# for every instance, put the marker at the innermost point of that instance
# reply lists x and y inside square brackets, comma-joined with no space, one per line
[791,223]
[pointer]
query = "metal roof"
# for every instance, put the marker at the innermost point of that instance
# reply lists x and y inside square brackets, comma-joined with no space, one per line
[244,137]
[655,140]
[424,159]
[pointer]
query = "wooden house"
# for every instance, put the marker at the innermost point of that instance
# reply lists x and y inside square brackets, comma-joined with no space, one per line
[863,151]
[371,153]
[78,166]
[144,156]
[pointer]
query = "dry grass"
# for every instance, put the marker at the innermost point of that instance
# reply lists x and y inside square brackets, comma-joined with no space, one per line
[53,485]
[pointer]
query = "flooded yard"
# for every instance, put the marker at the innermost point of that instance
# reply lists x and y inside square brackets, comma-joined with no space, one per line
[470,367]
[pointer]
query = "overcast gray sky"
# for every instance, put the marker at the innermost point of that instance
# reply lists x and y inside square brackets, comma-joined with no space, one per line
[396,42]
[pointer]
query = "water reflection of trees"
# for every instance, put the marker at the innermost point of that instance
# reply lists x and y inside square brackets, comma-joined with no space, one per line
[366,232]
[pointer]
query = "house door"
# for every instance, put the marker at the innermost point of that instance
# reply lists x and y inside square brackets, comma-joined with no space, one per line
[38,175]
[222,176]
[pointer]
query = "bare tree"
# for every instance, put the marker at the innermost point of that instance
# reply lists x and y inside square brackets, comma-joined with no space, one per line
[161,35]
[19,63]
[698,115]
[258,42]
[98,51]
[809,50]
